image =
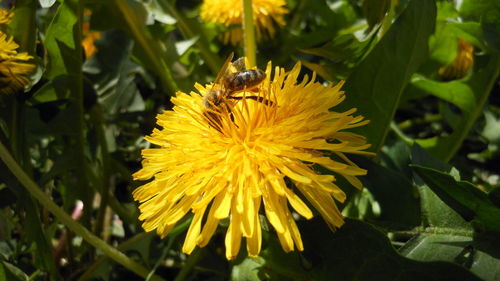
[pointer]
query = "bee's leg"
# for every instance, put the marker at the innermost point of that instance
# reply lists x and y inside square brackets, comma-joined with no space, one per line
[255,98]
[231,115]
[230,112]
[213,120]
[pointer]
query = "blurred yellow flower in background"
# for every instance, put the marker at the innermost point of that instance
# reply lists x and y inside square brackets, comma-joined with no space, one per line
[5,16]
[266,14]
[88,43]
[13,65]
[229,172]
[89,37]
[462,64]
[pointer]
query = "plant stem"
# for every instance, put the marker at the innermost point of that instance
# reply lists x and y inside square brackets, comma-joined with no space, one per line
[162,258]
[78,118]
[191,261]
[59,213]
[143,235]
[249,33]
[400,134]
[105,179]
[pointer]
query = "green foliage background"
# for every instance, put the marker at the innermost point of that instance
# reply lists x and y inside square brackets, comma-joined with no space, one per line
[431,207]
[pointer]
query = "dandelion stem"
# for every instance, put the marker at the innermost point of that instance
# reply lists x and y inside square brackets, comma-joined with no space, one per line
[249,33]
[59,213]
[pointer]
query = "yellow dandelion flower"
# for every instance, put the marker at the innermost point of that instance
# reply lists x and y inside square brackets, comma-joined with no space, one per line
[13,66]
[5,16]
[267,137]
[230,13]
[462,63]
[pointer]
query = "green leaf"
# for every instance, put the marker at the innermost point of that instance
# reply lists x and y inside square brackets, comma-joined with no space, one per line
[247,270]
[375,11]
[46,3]
[115,74]
[342,53]
[326,72]
[471,32]
[376,85]
[455,92]
[443,44]
[491,130]
[155,7]
[65,53]
[485,11]
[481,84]
[383,183]
[34,232]
[435,212]
[454,247]
[357,251]
[132,15]
[466,199]
[191,29]
[23,26]
[9,272]
[62,41]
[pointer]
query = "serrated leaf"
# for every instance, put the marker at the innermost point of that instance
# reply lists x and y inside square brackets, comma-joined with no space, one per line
[60,41]
[132,15]
[467,200]
[435,212]
[247,270]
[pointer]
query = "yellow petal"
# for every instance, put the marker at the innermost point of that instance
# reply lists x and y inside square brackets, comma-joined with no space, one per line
[193,232]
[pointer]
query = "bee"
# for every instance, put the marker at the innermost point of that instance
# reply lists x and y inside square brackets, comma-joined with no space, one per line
[226,85]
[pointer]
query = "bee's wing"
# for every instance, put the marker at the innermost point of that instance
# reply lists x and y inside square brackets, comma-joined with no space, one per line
[224,68]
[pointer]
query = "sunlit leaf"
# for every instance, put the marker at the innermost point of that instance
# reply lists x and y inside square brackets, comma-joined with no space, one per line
[470,202]
[455,92]
[376,85]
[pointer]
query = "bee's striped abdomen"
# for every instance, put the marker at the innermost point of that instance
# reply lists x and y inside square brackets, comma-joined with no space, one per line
[246,79]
